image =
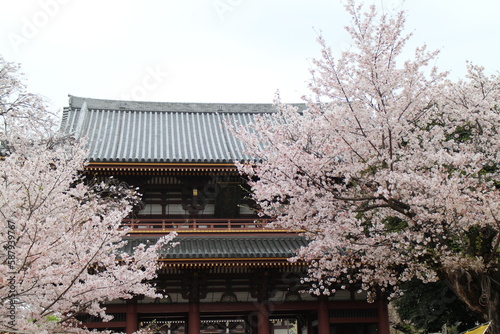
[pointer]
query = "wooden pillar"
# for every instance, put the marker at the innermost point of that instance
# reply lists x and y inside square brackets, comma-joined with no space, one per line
[383,317]
[194,322]
[310,327]
[132,319]
[323,316]
[263,287]
[263,319]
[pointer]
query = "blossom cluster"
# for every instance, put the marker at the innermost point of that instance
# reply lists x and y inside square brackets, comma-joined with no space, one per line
[392,170]
[61,238]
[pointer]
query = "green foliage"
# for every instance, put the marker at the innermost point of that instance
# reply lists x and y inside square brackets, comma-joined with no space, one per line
[53,318]
[489,169]
[394,224]
[462,134]
[480,240]
[429,307]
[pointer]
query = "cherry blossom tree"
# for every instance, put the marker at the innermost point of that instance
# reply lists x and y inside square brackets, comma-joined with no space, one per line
[60,236]
[392,171]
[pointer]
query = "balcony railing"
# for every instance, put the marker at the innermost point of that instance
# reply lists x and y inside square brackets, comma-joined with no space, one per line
[198,224]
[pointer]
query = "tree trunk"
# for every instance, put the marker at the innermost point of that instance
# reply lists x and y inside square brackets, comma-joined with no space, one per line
[480,292]
[494,310]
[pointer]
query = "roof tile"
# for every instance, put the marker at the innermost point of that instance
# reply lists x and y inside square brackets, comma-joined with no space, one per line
[130,131]
[207,247]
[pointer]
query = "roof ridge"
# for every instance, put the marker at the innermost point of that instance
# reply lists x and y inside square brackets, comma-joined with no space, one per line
[76,102]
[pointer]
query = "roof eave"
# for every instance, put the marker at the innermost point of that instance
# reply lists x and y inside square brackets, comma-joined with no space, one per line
[105,167]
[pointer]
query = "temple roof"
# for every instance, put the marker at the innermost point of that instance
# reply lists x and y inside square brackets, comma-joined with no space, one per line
[150,132]
[217,247]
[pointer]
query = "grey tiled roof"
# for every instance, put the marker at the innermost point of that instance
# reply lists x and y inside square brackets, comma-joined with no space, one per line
[214,247]
[130,131]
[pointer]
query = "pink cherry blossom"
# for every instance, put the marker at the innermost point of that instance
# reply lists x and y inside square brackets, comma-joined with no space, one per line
[61,240]
[391,171]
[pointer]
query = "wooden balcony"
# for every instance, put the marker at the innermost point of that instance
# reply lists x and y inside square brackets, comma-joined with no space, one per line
[196,225]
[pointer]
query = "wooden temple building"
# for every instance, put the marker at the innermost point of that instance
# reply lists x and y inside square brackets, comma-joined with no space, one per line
[229,273]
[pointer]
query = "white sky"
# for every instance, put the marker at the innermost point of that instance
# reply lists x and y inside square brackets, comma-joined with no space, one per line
[213,50]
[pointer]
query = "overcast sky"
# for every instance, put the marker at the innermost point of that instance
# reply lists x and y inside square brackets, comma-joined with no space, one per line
[214,50]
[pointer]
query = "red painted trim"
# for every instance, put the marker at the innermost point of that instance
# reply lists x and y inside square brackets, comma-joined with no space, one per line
[113,324]
[354,320]
[239,307]
[195,310]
